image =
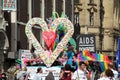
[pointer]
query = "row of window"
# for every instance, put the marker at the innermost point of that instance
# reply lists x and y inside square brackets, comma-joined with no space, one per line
[91,18]
[78,1]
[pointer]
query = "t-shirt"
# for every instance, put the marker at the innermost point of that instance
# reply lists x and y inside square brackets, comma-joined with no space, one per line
[70,55]
[106,78]
[115,74]
[79,75]
[37,76]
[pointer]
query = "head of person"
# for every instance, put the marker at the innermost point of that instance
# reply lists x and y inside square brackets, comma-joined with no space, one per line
[39,70]
[70,47]
[109,73]
[24,69]
[111,66]
[50,76]
[119,68]
[82,65]
[67,67]
[103,74]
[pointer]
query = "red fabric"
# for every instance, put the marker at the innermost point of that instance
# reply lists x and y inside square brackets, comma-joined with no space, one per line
[0,75]
[66,77]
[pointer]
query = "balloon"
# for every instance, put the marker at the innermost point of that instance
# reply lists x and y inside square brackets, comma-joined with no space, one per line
[49,37]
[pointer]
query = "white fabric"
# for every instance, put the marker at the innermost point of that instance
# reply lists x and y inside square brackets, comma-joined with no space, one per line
[21,74]
[37,76]
[115,74]
[105,78]
[79,73]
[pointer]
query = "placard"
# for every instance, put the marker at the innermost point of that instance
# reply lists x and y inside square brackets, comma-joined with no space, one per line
[9,5]
[54,70]
[86,42]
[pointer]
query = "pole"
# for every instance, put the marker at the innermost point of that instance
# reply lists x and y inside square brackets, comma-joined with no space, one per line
[64,6]
[42,10]
[43,16]
[101,25]
[54,7]
[14,31]
[72,2]
[30,16]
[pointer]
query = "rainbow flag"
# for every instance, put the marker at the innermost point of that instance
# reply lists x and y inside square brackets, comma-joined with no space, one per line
[81,57]
[103,60]
[88,56]
[103,66]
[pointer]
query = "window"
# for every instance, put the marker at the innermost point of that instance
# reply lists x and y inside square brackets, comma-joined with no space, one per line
[76,18]
[76,1]
[91,1]
[91,18]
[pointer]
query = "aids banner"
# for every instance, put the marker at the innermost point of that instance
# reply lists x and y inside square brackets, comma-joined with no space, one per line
[86,42]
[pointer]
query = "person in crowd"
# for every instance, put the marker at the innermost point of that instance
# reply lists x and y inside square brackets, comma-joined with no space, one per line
[81,73]
[111,66]
[50,76]
[37,76]
[109,75]
[4,76]
[119,71]
[70,55]
[0,73]
[75,62]
[66,73]
[102,76]
[23,74]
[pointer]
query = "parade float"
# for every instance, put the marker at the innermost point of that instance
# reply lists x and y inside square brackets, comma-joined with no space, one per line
[56,33]
[52,47]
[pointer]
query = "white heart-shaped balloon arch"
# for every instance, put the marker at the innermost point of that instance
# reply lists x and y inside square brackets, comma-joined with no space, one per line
[60,46]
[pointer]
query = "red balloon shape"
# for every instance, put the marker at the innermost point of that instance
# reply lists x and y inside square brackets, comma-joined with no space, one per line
[49,37]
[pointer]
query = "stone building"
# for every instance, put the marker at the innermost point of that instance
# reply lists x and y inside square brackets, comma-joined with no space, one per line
[100,17]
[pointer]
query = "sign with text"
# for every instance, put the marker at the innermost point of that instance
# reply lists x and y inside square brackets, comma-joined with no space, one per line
[86,42]
[9,5]
[54,70]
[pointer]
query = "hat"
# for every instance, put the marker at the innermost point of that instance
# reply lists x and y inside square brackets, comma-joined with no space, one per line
[119,65]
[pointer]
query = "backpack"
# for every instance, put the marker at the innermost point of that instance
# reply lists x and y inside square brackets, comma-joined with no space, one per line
[66,76]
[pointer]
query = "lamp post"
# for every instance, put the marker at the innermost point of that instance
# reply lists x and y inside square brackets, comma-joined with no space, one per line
[101,24]
[4,56]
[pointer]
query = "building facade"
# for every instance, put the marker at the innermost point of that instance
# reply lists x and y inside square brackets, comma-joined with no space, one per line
[98,17]
[101,17]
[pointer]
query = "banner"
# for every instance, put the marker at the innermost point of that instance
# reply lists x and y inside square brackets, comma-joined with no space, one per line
[24,55]
[9,5]
[55,71]
[86,42]
[118,54]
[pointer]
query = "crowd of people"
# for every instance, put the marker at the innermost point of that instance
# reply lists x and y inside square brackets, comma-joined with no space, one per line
[67,73]
[70,70]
